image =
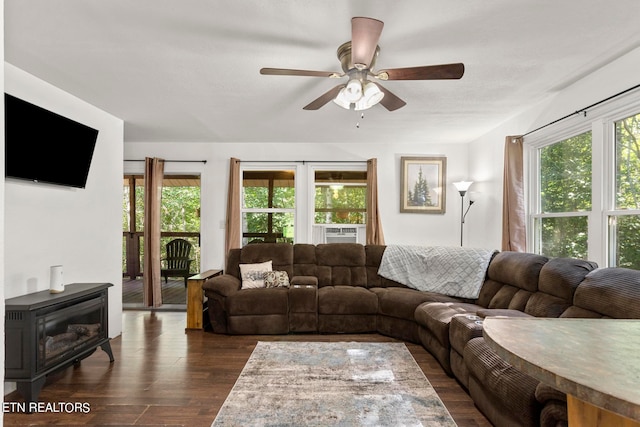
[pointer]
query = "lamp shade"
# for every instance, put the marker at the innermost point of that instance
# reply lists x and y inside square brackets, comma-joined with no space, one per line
[371,96]
[341,100]
[353,90]
[462,186]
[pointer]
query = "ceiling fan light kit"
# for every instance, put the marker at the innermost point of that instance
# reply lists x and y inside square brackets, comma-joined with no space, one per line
[357,58]
[361,96]
[353,91]
[341,101]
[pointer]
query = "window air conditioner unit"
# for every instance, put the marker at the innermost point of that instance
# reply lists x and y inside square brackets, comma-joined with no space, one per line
[341,235]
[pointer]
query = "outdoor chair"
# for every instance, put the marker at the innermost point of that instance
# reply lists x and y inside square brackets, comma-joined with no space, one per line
[177,263]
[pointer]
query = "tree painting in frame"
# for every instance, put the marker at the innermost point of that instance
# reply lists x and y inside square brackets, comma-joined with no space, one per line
[422,184]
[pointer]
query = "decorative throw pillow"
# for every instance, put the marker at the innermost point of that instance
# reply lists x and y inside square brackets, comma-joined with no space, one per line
[253,274]
[276,279]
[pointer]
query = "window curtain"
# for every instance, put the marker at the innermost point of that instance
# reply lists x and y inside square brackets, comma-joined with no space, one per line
[152,281]
[232,228]
[513,204]
[375,236]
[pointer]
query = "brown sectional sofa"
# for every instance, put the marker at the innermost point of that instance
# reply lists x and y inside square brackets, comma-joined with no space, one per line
[335,288]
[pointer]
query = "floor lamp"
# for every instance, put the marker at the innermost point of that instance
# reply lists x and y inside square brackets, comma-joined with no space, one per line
[462,187]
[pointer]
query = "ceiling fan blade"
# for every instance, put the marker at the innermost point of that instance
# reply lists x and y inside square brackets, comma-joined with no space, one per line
[390,101]
[365,33]
[290,72]
[322,100]
[427,72]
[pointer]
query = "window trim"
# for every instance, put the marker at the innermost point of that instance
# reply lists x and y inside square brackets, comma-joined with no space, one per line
[600,121]
[304,188]
[312,167]
[271,166]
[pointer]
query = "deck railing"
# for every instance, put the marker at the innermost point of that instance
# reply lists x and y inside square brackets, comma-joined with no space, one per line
[132,265]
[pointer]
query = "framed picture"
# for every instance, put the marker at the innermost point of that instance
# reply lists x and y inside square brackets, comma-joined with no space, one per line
[423,184]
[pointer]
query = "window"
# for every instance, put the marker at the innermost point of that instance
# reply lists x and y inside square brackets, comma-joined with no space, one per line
[303,202]
[268,206]
[561,224]
[180,218]
[624,219]
[340,197]
[584,186]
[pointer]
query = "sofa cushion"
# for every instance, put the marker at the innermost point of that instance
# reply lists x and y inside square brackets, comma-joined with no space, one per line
[374,255]
[275,279]
[304,260]
[233,262]
[613,292]
[280,255]
[560,277]
[253,274]
[462,329]
[402,302]
[544,305]
[304,281]
[436,317]
[545,393]
[579,312]
[554,414]
[510,297]
[502,312]
[269,324]
[346,300]
[341,264]
[503,382]
[258,302]
[224,285]
[516,269]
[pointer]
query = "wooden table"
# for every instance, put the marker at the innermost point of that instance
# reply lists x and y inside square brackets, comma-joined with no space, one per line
[195,298]
[595,361]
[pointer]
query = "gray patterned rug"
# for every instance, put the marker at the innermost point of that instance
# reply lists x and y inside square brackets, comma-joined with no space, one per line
[332,384]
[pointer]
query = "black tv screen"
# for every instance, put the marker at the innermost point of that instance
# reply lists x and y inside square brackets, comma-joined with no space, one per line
[43,146]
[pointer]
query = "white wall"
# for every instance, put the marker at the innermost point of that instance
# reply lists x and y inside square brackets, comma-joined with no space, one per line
[418,229]
[81,229]
[2,204]
[486,154]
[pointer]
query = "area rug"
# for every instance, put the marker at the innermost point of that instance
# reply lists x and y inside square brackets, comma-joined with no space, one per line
[332,384]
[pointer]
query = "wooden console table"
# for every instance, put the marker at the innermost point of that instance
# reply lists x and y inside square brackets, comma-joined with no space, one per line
[195,298]
[595,361]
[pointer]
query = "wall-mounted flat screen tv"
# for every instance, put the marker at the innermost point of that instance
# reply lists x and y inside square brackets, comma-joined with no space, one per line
[43,146]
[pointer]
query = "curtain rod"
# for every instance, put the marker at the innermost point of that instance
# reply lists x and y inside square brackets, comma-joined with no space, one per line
[303,161]
[582,110]
[172,161]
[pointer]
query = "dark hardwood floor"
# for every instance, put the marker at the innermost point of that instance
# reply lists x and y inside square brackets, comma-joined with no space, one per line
[164,376]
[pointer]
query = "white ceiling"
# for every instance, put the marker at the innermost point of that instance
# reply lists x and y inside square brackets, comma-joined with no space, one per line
[188,70]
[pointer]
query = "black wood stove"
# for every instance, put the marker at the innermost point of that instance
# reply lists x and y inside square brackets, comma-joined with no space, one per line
[45,332]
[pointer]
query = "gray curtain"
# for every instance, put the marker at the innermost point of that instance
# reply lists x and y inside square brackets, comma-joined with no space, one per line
[375,236]
[514,230]
[152,281]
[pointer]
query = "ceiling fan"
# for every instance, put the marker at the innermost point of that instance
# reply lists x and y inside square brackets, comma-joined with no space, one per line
[358,57]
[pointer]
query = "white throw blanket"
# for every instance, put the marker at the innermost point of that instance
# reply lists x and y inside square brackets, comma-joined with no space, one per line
[453,271]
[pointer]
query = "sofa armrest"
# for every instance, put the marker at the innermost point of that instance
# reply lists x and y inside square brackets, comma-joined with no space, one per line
[544,393]
[503,312]
[554,406]
[304,280]
[224,285]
